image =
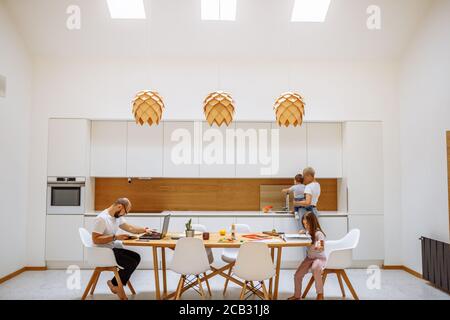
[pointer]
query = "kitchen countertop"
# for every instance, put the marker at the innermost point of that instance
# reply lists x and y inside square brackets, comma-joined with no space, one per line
[256,214]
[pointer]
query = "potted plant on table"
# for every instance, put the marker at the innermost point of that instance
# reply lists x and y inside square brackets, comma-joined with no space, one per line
[189,231]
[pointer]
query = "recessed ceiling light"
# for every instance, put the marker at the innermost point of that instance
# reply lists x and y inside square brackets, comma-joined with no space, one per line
[126,9]
[224,10]
[310,10]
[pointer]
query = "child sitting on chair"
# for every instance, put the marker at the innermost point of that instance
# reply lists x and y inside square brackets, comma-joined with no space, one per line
[299,192]
[315,258]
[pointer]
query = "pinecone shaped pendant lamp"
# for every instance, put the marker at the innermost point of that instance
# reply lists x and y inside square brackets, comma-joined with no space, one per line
[148,107]
[289,109]
[218,107]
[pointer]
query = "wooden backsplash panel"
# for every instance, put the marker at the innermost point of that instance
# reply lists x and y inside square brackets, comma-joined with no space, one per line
[197,194]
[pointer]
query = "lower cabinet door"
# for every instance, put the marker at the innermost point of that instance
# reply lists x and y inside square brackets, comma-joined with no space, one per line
[334,228]
[63,242]
[146,253]
[371,241]
[291,257]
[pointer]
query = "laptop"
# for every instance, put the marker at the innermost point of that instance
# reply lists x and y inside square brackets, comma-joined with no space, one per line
[158,235]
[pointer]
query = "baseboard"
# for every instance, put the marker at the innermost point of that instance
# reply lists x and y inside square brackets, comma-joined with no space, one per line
[403,268]
[21,270]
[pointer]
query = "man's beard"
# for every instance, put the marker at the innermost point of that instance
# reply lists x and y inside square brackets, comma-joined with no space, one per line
[117,215]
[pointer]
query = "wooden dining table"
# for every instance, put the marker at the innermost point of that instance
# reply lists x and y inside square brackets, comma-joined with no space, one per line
[275,244]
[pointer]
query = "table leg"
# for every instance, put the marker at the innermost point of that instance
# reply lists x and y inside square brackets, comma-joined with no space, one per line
[163,259]
[272,253]
[156,271]
[277,273]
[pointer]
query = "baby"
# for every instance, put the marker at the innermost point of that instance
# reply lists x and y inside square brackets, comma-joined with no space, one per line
[299,192]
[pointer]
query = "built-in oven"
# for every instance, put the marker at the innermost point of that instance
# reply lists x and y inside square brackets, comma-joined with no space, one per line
[66,195]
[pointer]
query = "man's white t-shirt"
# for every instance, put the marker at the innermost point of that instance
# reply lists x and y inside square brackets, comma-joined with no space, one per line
[313,189]
[106,225]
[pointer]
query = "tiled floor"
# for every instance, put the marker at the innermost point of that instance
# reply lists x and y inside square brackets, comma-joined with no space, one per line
[52,284]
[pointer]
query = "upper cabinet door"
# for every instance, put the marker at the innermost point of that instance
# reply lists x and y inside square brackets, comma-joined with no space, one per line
[325,149]
[253,150]
[292,151]
[109,149]
[181,149]
[215,149]
[144,150]
[68,147]
[363,168]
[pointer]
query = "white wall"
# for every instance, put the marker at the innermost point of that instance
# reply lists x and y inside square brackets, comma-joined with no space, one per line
[15,112]
[103,89]
[425,117]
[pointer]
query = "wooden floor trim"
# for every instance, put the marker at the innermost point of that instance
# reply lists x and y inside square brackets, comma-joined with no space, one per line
[18,272]
[404,268]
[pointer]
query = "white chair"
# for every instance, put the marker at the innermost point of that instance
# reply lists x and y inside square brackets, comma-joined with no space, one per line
[229,255]
[101,259]
[209,253]
[254,263]
[189,258]
[339,258]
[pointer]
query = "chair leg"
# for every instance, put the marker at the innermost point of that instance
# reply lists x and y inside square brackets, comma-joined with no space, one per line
[338,274]
[266,294]
[94,285]
[130,286]
[180,287]
[207,285]
[91,282]
[202,293]
[243,291]
[349,285]
[120,285]
[226,280]
[310,283]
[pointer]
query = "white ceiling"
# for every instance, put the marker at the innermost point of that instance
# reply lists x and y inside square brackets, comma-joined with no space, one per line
[262,30]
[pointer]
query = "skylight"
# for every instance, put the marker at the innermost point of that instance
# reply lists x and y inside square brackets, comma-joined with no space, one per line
[126,9]
[310,10]
[224,10]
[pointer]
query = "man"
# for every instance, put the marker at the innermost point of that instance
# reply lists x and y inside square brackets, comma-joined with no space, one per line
[106,226]
[312,193]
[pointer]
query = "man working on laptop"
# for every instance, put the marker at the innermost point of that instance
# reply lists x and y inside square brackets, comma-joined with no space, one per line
[104,232]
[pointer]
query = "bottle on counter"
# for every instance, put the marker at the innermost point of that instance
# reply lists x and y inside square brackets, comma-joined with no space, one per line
[233,231]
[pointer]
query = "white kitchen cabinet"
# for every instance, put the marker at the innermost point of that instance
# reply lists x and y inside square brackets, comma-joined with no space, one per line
[256,224]
[325,149]
[253,150]
[363,166]
[68,147]
[335,228]
[63,241]
[292,151]
[215,150]
[109,149]
[181,149]
[291,257]
[371,241]
[144,150]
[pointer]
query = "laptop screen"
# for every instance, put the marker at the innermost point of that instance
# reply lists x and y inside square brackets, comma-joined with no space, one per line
[165,226]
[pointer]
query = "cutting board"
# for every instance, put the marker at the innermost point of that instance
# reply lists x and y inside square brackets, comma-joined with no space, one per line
[271,195]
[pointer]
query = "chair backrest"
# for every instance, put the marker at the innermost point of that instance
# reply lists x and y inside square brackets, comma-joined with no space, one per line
[190,257]
[199,227]
[96,256]
[339,252]
[241,228]
[86,238]
[254,262]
